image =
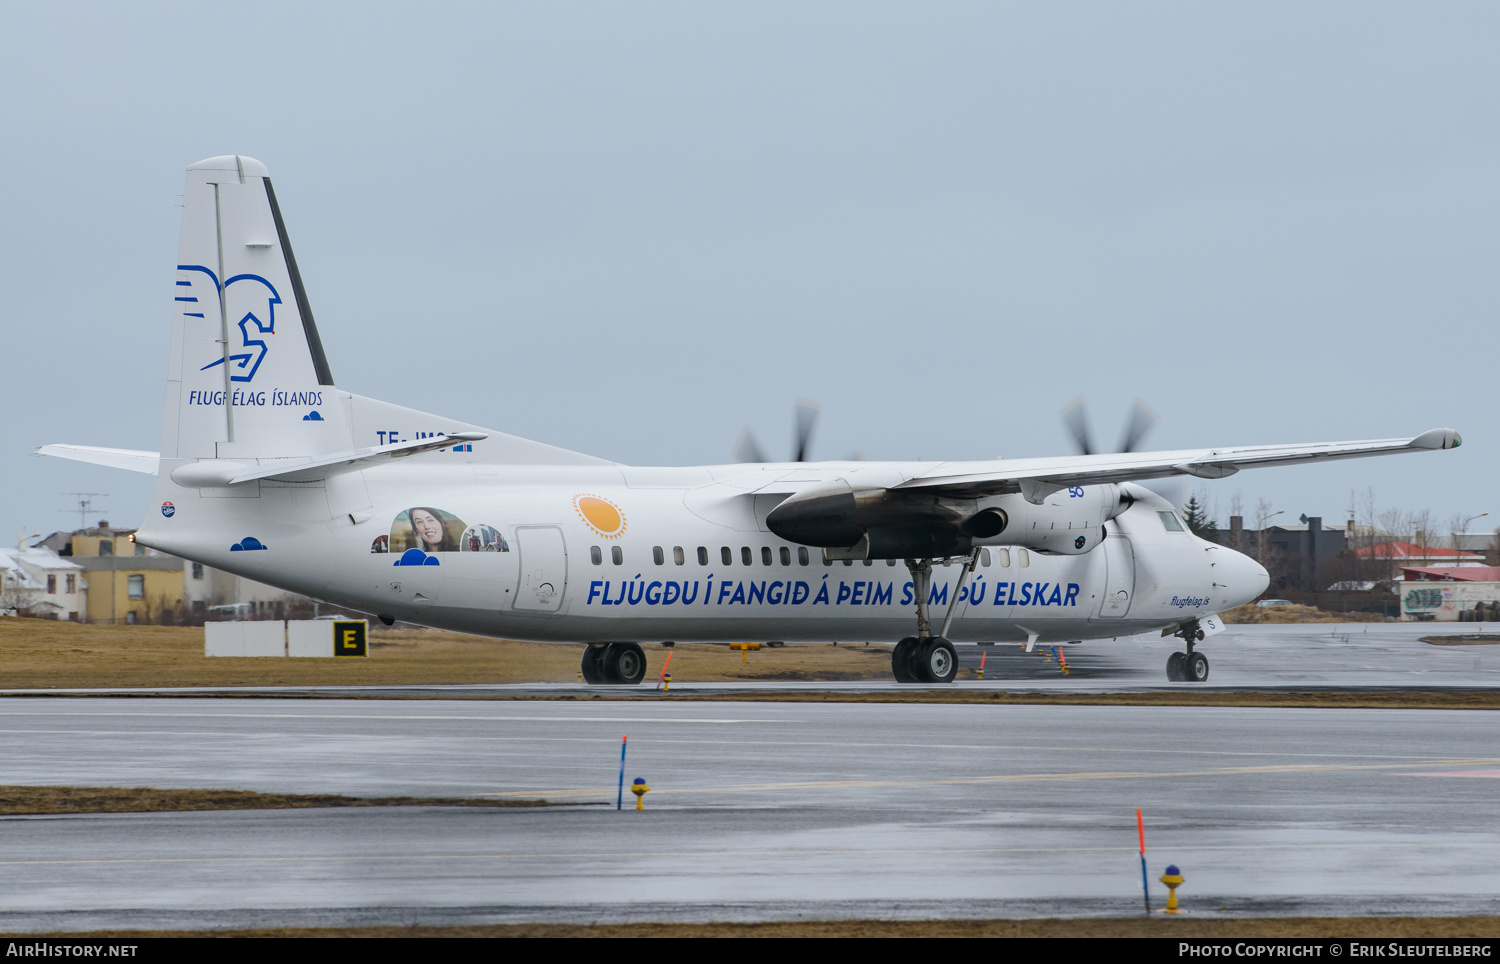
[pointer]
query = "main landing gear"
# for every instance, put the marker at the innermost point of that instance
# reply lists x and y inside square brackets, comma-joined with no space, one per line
[614,663]
[925,657]
[1188,667]
[929,660]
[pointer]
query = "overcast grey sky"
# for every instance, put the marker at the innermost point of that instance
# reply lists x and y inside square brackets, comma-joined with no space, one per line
[631,228]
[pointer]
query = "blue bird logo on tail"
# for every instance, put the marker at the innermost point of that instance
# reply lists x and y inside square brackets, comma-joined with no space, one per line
[257,320]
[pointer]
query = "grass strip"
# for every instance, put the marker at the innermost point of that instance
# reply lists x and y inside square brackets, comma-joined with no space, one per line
[1472,639]
[1309,699]
[16,800]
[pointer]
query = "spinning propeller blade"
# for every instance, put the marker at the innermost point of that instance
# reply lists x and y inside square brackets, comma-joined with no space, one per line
[1142,418]
[747,449]
[805,418]
[1075,419]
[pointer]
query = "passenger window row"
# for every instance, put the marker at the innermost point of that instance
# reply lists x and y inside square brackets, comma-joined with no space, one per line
[768,557]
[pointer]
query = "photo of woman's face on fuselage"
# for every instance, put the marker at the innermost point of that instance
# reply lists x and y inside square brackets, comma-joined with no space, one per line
[423,527]
[429,530]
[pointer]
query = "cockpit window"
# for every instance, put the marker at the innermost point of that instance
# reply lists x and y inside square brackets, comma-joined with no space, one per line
[1169,520]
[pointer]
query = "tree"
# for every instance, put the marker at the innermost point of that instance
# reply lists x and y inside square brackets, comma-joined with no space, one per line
[1198,520]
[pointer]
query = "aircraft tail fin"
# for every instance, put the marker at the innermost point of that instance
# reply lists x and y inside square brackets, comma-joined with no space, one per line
[248,374]
[248,379]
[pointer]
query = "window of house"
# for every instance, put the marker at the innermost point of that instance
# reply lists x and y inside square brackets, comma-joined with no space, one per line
[595,556]
[72,584]
[616,555]
[51,585]
[198,566]
[140,550]
[657,556]
[135,587]
[106,547]
[677,555]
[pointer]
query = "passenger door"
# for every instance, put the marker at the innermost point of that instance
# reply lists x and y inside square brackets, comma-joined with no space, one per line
[1119,579]
[544,569]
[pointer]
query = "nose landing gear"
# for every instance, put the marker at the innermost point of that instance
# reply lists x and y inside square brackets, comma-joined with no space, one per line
[1188,667]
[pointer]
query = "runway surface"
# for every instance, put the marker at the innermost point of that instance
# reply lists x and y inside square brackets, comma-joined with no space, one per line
[757,811]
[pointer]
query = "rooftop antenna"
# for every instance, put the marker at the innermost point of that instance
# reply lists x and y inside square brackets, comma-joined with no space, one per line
[85,506]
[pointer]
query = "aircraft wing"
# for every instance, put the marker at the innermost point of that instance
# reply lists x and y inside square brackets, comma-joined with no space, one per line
[1038,477]
[132,460]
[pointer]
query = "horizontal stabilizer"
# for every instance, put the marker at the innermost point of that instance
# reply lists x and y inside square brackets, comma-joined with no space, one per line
[132,460]
[220,473]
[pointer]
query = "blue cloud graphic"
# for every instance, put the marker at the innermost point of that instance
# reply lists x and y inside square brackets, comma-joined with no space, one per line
[312,417]
[416,557]
[247,544]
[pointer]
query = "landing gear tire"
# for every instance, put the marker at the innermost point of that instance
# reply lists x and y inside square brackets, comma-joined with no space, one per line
[1175,671]
[624,663]
[901,660]
[593,671]
[937,661]
[1195,667]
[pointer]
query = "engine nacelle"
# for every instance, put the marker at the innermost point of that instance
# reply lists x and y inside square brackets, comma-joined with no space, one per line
[880,523]
[1069,521]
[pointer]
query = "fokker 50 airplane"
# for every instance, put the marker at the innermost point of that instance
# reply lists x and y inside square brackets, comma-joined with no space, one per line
[270,471]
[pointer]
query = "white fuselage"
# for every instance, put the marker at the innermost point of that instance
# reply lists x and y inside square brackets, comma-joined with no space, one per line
[549,572]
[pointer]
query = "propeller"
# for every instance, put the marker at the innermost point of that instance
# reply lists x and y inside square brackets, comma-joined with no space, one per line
[1142,419]
[804,420]
[1076,420]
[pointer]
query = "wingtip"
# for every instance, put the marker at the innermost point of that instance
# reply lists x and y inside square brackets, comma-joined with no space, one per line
[1437,438]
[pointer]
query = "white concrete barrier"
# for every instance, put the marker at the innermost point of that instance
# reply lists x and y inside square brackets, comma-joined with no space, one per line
[262,638]
[309,637]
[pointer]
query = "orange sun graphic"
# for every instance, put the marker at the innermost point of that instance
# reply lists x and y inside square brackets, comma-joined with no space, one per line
[601,515]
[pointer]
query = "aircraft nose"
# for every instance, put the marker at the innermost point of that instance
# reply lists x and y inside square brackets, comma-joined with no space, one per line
[1248,578]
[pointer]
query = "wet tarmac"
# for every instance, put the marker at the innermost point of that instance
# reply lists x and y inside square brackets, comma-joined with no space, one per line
[756,811]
